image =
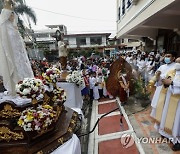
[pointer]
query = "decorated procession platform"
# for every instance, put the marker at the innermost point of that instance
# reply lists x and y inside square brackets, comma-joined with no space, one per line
[36,119]
[13,138]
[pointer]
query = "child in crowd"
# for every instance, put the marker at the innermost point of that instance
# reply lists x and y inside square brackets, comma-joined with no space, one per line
[95,87]
[85,91]
[91,85]
[100,84]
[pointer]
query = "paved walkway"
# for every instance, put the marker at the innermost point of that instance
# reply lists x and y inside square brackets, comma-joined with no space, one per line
[112,137]
[144,127]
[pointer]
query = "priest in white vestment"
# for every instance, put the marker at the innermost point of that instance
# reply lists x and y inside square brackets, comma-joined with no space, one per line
[167,111]
[14,62]
[161,74]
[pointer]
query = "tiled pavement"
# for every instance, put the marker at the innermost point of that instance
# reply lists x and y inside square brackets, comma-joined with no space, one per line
[144,127]
[112,138]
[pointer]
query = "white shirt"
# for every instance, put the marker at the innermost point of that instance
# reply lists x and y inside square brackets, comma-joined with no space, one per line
[176,84]
[141,65]
[92,81]
[100,80]
[149,66]
[164,69]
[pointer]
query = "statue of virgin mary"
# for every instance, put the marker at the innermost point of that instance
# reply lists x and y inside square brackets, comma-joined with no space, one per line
[14,62]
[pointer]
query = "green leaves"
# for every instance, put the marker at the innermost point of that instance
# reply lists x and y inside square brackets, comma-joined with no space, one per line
[141,89]
[24,9]
[21,8]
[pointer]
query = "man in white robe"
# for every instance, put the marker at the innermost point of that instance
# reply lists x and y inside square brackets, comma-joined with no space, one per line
[159,75]
[173,90]
[169,125]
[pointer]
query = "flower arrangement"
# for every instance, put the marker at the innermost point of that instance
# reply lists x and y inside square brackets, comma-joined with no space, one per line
[75,77]
[37,119]
[30,88]
[51,75]
[59,95]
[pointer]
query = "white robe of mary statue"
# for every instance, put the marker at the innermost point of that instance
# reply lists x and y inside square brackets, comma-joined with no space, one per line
[14,62]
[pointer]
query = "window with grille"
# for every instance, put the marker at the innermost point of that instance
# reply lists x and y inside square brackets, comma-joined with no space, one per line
[119,13]
[123,7]
[96,40]
[129,2]
[81,41]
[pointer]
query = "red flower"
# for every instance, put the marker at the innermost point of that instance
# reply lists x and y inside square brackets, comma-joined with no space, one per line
[49,72]
[20,82]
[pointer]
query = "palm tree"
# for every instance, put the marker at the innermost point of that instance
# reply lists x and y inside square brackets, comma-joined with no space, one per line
[22,9]
[1,5]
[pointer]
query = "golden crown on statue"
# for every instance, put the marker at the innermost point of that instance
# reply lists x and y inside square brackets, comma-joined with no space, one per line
[9,4]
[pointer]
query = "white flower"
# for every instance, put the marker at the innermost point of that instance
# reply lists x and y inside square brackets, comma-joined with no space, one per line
[35,88]
[26,91]
[37,127]
[29,124]
[34,95]
[25,120]
[75,77]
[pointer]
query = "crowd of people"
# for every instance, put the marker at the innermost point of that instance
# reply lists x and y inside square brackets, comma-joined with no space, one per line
[162,68]
[95,71]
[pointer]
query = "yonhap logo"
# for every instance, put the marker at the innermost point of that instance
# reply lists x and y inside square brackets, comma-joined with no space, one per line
[128,140]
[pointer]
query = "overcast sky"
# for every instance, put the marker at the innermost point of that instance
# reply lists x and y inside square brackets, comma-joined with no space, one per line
[79,16]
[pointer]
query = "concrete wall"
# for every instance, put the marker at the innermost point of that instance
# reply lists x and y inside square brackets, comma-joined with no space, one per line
[72,42]
[103,40]
[136,14]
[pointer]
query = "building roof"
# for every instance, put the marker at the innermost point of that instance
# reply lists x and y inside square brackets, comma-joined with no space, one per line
[42,31]
[54,26]
[89,34]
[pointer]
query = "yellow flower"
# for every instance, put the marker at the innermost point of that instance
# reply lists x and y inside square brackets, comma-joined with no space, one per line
[52,115]
[40,115]
[47,107]
[20,122]
[29,116]
[37,84]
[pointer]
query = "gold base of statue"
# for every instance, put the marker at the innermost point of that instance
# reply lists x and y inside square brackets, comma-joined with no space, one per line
[64,74]
[45,143]
[63,62]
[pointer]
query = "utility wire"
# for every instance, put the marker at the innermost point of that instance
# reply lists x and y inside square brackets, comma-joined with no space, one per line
[95,31]
[67,15]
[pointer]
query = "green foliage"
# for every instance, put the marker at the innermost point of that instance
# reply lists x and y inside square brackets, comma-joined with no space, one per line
[82,52]
[24,9]
[19,1]
[1,5]
[21,8]
[141,89]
